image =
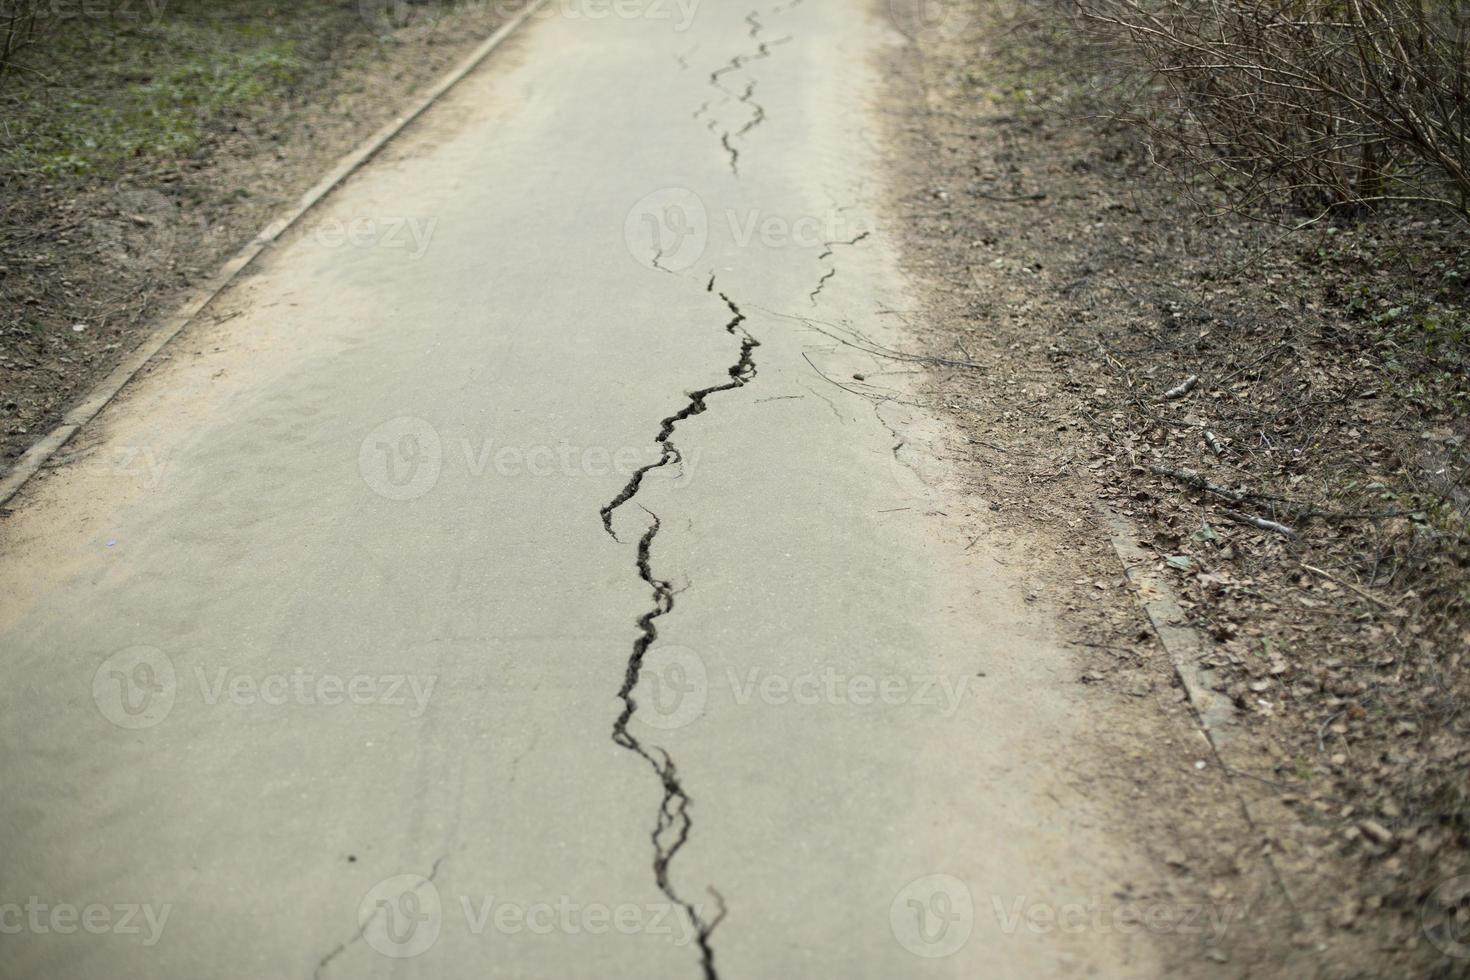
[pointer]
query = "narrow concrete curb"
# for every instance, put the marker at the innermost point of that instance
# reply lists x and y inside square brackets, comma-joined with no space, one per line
[1180,641]
[1215,713]
[201,296]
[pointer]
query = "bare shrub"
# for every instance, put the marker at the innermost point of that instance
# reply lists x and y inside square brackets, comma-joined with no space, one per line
[20,22]
[1307,103]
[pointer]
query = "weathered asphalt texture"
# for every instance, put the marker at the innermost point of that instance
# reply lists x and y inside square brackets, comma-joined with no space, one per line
[530,571]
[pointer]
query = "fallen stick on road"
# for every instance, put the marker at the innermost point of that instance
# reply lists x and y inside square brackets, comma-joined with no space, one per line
[1346,584]
[1193,479]
[1183,388]
[1259,522]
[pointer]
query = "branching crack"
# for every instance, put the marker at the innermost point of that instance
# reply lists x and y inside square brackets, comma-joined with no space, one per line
[832,269]
[740,373]
[757,111]
[673,826]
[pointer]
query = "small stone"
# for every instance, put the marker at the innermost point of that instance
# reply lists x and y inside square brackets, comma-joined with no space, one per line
[1346,914]
[1376,832]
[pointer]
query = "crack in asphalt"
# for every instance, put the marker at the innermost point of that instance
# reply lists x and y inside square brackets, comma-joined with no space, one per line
[832,269]
[758,112]
[737,63]
[362,929]
[734,153]
[674,825]
[740,374]
[821,284]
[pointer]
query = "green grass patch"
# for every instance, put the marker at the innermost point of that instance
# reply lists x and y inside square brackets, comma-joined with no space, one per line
[93,96]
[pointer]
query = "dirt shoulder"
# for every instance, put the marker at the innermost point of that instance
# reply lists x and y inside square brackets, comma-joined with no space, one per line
[1270,424]
[144,146]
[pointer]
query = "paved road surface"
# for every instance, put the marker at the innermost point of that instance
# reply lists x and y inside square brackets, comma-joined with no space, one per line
[513,576]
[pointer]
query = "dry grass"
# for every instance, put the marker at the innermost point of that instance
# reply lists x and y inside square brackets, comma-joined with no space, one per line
[1311,104]
[1332,358]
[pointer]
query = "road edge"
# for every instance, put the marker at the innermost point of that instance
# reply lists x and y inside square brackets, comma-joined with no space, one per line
[171,325]
[1186,647]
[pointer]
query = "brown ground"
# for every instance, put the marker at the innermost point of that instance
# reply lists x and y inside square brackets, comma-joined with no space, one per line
[1331,380]
[1332,822]
[109,251]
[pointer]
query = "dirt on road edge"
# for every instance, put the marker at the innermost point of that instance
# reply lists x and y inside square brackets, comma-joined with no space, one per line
[88,262]
[1319,821]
